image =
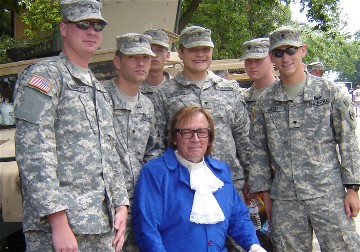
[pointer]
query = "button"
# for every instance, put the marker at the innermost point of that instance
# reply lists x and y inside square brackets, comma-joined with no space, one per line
[210,242]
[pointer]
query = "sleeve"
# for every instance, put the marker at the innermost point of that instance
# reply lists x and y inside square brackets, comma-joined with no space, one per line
[241,133]
[36,99]
[147,211]
[153,146]
[161,117]
[344,124]
[241,228]
[260,166]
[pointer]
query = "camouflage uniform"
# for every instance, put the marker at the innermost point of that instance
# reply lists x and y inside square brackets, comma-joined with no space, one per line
[227,106]
[137,141]
[135,133]
[148,90]
[65,148]
[298,139]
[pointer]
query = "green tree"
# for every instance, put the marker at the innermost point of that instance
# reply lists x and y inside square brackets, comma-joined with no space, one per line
[234,21]
[41,17]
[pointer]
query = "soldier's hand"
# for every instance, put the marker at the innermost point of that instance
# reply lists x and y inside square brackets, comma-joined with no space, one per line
[62,235]
[352,203]
[120,227]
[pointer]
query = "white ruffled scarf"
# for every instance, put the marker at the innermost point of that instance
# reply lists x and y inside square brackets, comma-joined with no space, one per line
[205,208]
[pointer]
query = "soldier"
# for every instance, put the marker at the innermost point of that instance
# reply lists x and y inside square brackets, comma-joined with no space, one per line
[259,68]
[316,69]
[157,75]
[73,189]
[196,85]
[298,124]
[134,118]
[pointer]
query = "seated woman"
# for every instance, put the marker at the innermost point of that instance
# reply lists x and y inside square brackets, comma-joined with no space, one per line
[186,201]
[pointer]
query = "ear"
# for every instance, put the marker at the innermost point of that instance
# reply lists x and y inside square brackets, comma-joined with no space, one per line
[116,62]
[63,29]
[303,50]
[167,57]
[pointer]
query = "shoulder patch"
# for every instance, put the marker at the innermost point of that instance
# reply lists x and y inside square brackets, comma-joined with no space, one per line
[41,84]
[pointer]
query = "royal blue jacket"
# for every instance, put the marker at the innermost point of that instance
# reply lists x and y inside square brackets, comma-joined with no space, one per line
[162,205]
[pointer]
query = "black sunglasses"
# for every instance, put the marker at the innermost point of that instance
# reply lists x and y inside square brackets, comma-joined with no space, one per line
[84,25]
[289,51]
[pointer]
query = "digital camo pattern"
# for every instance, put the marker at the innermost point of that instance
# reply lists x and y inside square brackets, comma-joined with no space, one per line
[256,48]
[78,10]
[148,90]
[250,99]
[136,135]
[133,44]
[326,215]
[193,36]
[285,35]
[159,37]
[65,149]
[42,241]
[138,143]
[224,101]
[299,139]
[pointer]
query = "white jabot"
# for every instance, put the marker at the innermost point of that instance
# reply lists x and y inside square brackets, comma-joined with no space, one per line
[205,208]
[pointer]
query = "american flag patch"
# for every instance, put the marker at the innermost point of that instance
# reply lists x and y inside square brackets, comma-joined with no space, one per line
[40,83]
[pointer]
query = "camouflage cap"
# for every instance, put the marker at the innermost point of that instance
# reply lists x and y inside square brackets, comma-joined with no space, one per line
[159,37]
[134,43]
[315,66]
[256,48]
[285,35]
[196,36]
[78,10]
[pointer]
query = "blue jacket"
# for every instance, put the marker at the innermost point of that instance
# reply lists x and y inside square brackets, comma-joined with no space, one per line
[162,205]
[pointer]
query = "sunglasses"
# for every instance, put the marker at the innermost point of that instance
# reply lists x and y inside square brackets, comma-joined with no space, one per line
[289,51]
[84,25]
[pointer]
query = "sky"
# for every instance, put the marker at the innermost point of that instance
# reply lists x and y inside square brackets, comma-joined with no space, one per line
[350,14]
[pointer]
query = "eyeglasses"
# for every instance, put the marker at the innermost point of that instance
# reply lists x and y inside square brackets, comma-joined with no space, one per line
[84,25]
[289,51]
[189,133]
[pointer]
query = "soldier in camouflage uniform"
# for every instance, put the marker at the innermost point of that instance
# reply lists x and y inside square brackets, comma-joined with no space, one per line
[134,118]
[298,124]
[196,85]
[316,69]
[74,193]
[157,75]
[259,68]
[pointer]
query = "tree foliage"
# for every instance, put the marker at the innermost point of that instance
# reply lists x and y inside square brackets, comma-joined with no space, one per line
[41,17]
[234,21]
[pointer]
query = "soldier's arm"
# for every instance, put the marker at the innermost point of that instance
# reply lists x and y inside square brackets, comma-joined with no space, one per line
[35,111]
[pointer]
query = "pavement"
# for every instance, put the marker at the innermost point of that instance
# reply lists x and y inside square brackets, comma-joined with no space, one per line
[316,247]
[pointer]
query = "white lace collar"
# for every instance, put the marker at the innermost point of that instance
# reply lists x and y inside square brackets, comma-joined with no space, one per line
[205,208]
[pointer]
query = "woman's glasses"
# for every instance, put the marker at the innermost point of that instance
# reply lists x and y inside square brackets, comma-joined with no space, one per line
[289,51]
[189,133]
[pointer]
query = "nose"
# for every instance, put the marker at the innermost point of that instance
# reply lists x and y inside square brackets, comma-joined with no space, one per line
[195,137]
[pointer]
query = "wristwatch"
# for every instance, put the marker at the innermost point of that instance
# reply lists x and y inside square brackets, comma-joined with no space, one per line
[354,187]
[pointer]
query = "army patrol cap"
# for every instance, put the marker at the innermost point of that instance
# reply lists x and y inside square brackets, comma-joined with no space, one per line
[79,10]
[193,36]
[134,43]
[285,35]
[256,48]
[158,37]
[315,66]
